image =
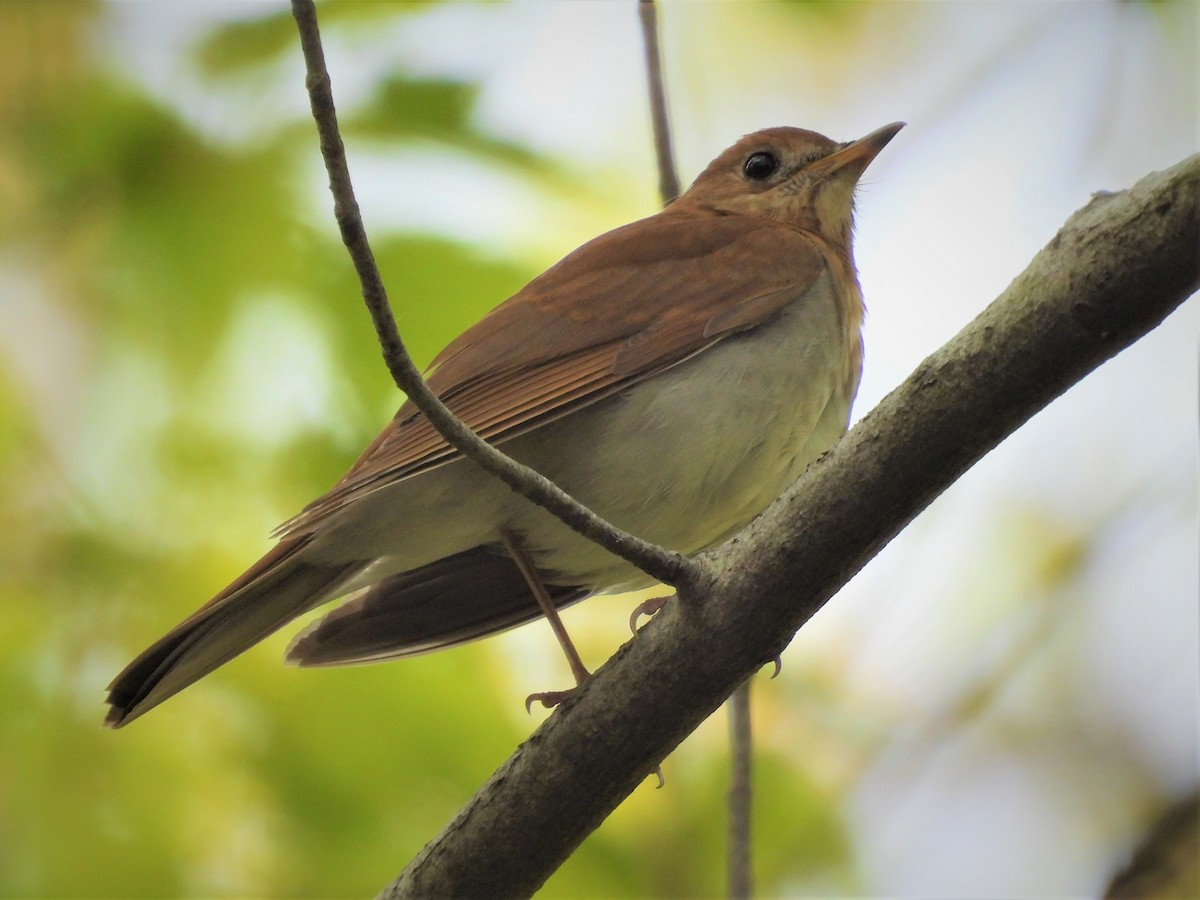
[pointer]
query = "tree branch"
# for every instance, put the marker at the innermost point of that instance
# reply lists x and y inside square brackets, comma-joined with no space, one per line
[1114,272]
[664,565]
[739,879]
[668,178]
[1167,862]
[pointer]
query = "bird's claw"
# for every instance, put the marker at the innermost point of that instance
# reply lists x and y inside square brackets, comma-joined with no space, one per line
[646,608]
[778,661]
[548,699]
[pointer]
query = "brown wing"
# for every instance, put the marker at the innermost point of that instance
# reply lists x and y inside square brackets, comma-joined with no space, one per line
[621,308]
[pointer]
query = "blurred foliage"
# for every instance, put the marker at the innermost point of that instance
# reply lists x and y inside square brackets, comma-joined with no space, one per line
[237,46]
[186,363]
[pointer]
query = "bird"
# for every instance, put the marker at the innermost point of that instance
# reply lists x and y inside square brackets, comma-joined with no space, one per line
[675,374]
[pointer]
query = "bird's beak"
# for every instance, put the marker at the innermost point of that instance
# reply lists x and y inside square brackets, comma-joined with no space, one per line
[857,155]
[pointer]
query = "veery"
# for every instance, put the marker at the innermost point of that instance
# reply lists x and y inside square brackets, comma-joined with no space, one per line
[675,375]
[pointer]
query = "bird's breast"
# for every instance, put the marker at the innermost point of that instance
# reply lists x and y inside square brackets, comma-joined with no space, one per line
[691,455]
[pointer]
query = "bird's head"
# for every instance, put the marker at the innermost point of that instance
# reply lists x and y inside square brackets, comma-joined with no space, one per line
[797,177]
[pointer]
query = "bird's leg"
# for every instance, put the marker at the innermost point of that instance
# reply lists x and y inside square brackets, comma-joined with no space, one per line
[520,556]
[516,549]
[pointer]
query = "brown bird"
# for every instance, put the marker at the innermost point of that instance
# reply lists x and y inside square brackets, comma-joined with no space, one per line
[675,375]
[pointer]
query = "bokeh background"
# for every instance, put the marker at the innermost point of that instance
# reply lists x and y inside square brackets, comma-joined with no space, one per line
[1000,704]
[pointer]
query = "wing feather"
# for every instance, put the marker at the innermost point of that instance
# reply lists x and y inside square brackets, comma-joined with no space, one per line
[620,309]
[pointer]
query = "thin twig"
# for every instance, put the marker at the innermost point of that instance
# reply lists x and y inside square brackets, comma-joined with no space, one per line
[668,179]
[739,883]
[664,565]
[741,747]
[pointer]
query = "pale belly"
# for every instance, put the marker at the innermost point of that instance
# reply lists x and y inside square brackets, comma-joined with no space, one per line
[691,457]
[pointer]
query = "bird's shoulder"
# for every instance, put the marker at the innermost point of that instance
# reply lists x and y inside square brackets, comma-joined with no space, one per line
[666,270]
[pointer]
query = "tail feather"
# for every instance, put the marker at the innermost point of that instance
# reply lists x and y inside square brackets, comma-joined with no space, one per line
[274,591]
[451,601]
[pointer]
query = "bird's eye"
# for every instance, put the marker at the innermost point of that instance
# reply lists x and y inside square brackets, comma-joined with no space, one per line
[760,166]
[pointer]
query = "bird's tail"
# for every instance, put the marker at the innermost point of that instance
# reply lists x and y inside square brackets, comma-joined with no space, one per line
[276,589]
[450,601]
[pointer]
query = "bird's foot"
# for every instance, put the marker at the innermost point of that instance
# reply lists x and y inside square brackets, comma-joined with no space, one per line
[549,699]
[647,608]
